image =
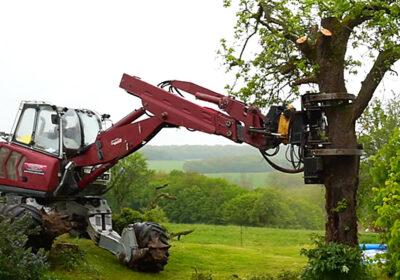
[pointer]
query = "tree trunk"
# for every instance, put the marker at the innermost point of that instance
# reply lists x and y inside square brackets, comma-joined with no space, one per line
[340,175]
[341,180]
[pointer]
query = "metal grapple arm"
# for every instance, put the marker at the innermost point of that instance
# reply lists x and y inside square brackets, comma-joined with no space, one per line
[240,123]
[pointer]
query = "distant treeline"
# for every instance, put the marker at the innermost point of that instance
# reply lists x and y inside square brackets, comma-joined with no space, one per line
[234,164]
[189,152]
[200,199]
[215,201]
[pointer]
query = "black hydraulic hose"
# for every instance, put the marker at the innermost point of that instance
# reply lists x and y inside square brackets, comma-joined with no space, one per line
[171,89]
[274,153]
[177,91]
[280,168]
[164,84]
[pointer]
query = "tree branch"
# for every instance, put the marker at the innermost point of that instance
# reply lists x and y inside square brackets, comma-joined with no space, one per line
[257,18]
[306,80]
[353,21]
[305,48]
[276,21]
[382,64]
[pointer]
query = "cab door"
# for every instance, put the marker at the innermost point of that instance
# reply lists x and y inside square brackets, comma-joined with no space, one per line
[31,160]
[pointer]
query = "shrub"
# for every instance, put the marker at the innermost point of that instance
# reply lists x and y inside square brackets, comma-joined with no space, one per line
[329,261]
[156,214]
[66,256]
[124,218]
[16,261]
[129,216]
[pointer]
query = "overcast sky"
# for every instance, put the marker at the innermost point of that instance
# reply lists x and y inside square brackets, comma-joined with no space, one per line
[73,53]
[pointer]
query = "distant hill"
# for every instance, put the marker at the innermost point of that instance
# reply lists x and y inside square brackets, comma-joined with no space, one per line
[241,165]
[190,152]
[233,164]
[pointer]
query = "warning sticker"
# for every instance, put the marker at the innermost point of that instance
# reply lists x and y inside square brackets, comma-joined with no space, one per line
[116,141]
[34,168]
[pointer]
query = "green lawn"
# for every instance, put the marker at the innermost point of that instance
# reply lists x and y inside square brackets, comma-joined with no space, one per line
[209,249]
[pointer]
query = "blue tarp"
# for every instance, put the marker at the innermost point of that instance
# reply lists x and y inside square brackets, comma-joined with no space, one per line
[370,252]
[373,246]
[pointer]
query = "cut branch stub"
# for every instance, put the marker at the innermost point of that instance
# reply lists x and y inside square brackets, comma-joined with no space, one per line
[301,40]
[326,32]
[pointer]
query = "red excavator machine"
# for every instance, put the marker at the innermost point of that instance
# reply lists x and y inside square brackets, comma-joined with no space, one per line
[53,166]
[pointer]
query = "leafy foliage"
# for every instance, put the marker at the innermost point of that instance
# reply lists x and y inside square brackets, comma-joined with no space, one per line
[238,210]
[66,256]
[199,198]
[16,261]
[133,181]
[214,201]
[377,123]
[278,64]
[307,42]
[375,128]
[333,261]
[129,216]
[272,208]
[386,173]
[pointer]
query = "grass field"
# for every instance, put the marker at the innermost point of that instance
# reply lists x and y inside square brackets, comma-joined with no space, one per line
[165,165]
[246,180]
[209,249]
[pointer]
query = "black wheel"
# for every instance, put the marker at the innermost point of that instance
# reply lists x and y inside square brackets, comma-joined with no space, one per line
[152,236]
[17,211]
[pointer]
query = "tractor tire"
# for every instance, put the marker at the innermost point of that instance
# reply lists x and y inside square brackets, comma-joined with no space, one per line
[152,236]
[18,211]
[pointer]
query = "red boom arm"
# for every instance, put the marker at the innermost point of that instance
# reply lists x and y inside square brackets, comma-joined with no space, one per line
[170,110]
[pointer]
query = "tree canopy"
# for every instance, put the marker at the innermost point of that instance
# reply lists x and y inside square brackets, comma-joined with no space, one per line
[288,49]
[319,45]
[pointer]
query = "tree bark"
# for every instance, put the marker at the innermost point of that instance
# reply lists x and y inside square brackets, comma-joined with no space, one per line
[340,174]
[341,179]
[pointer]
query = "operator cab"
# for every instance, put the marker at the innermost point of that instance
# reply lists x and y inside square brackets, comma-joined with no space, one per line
[38,126]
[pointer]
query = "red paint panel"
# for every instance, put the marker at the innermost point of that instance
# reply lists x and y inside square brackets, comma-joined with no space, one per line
[118,142]
[39,170]
[175,110]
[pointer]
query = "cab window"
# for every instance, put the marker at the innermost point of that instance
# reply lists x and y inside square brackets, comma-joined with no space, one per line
[91,126]
[24,129]
[47,132]
[72,135]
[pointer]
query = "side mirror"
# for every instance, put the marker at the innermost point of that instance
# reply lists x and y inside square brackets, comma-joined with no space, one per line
[55,119]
